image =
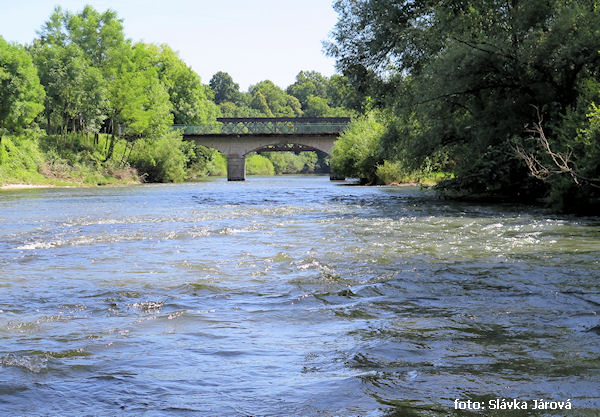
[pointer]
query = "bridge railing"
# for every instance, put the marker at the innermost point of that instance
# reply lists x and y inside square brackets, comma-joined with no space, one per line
[268,126]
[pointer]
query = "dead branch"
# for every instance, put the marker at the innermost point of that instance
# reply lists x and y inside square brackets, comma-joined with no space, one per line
[561,163]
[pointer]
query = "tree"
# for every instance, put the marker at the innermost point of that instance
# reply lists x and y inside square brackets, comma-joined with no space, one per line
[356,153]
[191,100]
[224,89]
[278,102]
[95,33]
[21,95]
[76,95]
[471,73]
[316,107]
[75,54]
[259,102]
[308,83]
[340,93]
[139,102]
[229,109]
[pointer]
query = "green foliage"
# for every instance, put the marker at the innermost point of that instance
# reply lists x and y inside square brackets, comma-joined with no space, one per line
[95,33]
[316,107]
[76,94]
[60,160]
[259,165]
[139,101]
[75,55]
[259,103]
[320,96]
[191,100]
[20,159]
[292,163]
[393,173]
[224,89]
[396,172]
[229,109]
[312,95]
[470,75]
[202,161]
[217,165]
[160,160]
[308,83]
[357,153]
[569,161]
[341,94]
[272,101]
[21,95]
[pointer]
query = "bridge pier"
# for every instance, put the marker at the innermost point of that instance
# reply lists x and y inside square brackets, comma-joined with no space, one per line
[236,168]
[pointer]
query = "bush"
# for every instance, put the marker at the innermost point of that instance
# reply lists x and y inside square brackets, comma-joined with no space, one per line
[259,165]
[292,163]
[217,165]
[356,153]
[20,158]
[160,160]
[394,173]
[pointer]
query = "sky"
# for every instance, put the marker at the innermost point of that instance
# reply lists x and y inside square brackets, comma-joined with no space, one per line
[252,40]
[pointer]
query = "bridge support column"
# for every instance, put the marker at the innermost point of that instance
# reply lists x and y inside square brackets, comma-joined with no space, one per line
[236,168]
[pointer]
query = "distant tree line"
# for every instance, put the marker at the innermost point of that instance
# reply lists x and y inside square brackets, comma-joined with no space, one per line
[82,76]
[312,95]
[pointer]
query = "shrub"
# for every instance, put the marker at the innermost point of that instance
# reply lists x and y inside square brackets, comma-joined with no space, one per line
[160,160]
[217,165]
[393,173]
[259,165]
[356,153]
[20,158]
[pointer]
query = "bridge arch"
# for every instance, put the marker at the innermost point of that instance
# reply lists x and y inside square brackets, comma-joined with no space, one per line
[237,137]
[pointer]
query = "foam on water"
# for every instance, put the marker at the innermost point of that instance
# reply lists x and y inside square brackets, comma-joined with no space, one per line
[290,296]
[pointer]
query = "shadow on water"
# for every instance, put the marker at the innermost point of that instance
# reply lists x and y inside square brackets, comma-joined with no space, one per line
[413,202]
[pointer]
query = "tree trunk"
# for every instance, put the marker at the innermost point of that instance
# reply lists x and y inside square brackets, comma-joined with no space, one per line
[111,148]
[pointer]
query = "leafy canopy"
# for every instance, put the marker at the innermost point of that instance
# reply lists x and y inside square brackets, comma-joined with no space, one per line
[21,95]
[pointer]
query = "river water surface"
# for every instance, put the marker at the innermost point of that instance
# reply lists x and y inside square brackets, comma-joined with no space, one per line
[291,296]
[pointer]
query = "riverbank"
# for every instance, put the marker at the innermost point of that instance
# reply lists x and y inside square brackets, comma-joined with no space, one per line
[33,159]
[23,186]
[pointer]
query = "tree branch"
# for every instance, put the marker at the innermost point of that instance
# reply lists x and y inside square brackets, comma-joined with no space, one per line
[561,163]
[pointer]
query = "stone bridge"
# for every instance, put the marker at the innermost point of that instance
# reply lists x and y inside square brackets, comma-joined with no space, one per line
[237,137]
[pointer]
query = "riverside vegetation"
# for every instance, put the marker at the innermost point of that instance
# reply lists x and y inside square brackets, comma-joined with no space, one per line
[489,99]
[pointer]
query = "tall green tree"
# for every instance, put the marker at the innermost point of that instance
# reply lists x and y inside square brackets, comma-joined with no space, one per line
[21,95]
[308,83]
[76,95]
[273,101]
[75,54]
[192,101]
[225,89]
[139,101]
[94,32]
[472,74]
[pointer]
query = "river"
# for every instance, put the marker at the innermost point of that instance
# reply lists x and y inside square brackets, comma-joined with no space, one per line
[291,296]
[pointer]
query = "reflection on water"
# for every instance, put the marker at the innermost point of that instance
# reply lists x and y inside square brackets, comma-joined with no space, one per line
[291,296]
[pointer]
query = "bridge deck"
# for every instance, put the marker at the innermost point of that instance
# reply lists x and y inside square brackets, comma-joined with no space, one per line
[249,126]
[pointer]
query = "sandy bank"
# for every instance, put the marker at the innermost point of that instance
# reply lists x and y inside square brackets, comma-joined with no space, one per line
[19,186]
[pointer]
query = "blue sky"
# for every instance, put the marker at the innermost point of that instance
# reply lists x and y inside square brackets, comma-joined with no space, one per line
[252,40]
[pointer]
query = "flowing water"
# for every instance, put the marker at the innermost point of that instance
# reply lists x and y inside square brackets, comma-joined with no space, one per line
[291,296]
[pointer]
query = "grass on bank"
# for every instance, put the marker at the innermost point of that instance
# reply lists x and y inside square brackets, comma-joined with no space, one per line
[34,158]
[76,159]
[395,173]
